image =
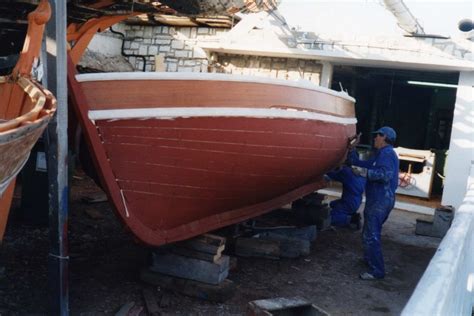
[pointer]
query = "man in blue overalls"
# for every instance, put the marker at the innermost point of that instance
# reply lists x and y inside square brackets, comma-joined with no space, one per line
[381,172]
[344,210]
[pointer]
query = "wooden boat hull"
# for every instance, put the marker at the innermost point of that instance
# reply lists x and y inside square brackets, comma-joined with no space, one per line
[25,110]
[35,107]
[15,147]
[178,171]
[19,133]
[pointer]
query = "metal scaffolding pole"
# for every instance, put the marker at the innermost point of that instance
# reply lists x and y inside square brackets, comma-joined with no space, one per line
[57,148]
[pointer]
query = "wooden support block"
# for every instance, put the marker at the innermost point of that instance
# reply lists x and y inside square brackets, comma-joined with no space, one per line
[290,247]
[205,243]
[191,268]
[191,253]
[256,247]
[211,239]
[305,233]
[215,293]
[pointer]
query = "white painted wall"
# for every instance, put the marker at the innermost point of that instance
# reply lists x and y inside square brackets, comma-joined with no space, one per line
[461,148]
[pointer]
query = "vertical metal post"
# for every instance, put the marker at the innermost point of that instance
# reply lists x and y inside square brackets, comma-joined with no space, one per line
[56,141]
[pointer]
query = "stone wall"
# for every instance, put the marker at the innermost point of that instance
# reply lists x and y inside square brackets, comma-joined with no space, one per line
[176,49]
[283,68]
[168,48]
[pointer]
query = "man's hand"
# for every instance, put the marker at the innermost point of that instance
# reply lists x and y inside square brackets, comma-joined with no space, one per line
[359,171]
[353,141]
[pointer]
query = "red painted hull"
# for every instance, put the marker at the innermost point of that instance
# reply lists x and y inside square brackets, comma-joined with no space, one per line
[177,178]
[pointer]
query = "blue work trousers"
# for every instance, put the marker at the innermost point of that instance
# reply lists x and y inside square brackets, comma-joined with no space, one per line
[340,213]
[375,214]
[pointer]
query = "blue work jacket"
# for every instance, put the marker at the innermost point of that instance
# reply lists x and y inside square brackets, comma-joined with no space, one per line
[352,187]
[382,173]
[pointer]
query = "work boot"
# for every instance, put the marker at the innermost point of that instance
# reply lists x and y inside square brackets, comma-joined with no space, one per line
[367,276]
[355,222]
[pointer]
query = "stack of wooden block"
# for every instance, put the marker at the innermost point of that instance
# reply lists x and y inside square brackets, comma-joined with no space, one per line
[291,242]
[194,267]
[199,259]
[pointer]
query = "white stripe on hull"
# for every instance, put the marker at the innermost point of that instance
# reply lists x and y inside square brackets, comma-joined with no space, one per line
[191,112]
[182,76]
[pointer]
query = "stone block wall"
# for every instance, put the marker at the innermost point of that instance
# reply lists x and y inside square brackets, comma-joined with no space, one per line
[176,49]
[168,48]
[273,67]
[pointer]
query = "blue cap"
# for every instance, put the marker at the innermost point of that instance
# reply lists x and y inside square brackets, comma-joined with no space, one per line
[388,132]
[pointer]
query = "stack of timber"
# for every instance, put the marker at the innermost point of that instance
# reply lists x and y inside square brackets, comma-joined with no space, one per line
[288,242]
[25,110]
[194,267]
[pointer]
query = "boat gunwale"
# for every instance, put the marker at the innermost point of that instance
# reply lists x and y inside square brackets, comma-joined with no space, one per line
[194,112]
[205,76]
[35,94]
[23,130]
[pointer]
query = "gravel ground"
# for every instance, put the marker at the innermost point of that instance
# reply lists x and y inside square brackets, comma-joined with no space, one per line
[105,261]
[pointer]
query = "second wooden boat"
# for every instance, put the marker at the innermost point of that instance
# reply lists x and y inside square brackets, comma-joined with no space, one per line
[25,110]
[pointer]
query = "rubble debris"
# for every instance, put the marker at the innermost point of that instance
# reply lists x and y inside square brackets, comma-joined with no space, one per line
[100,62]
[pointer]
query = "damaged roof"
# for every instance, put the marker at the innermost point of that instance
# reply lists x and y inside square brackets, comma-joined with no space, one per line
[213,13]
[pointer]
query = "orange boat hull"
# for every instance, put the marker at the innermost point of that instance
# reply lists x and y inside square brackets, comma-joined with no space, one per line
[25,110]
[172,176]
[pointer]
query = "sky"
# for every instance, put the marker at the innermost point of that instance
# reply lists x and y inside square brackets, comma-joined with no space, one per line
[369,17]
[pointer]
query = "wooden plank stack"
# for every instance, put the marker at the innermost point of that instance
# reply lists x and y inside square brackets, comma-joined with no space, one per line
[277,243]
[194,267]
